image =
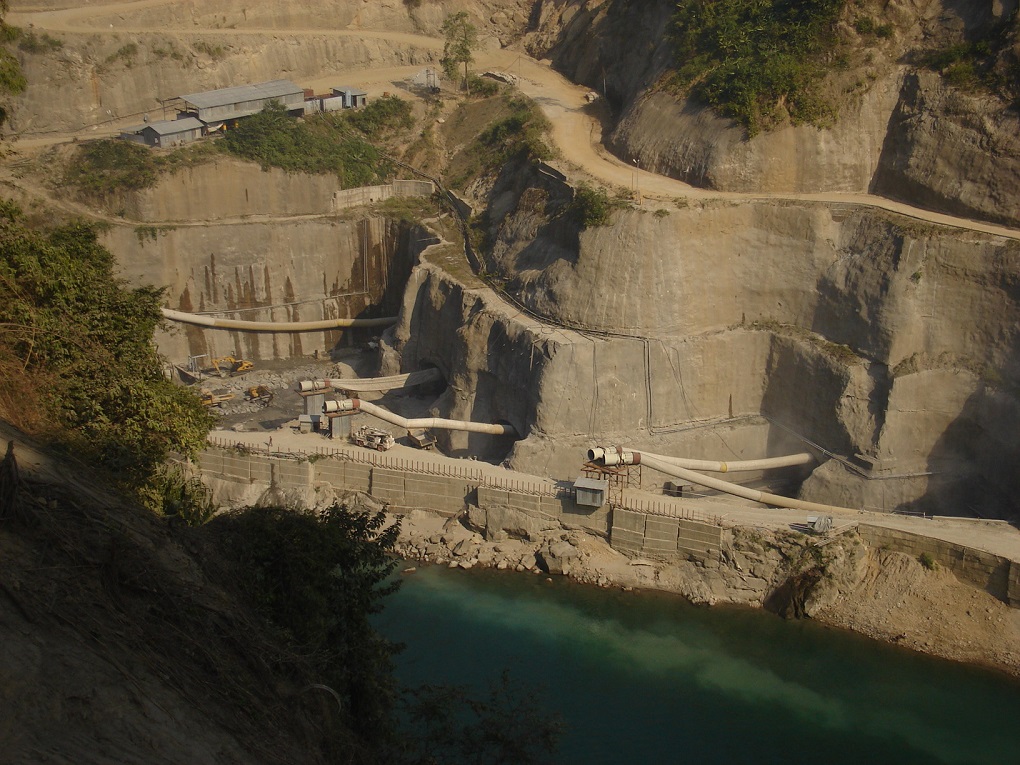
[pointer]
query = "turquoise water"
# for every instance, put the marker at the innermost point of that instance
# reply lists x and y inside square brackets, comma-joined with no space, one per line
[647,678]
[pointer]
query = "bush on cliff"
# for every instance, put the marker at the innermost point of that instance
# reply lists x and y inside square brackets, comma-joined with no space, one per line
[758,60]
[319,145]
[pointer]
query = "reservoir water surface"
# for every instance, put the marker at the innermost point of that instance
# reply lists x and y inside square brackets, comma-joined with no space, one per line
[640,677]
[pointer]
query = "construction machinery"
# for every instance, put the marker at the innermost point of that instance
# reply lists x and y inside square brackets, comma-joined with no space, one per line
[209,398]
[421,438]
[260,393]
[372,438]
[229,366]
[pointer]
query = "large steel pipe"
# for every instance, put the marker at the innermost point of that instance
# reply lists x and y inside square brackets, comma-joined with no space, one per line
[616,455]
[764,497]
[275,326]
[354,404]
[360,384]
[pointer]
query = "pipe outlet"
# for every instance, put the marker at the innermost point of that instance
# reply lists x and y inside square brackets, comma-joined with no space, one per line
[340,405]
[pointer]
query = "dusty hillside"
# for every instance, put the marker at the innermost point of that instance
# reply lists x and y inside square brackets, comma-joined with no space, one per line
[147,53]
[903,130]
[120,644]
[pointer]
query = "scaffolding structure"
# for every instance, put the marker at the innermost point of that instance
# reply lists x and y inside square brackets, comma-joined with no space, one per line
[619,477]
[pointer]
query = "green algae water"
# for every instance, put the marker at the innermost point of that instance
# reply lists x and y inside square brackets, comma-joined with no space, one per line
[647,678]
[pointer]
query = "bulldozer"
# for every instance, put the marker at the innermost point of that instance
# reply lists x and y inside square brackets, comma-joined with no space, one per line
[209,398]
[229,366]
[260,393]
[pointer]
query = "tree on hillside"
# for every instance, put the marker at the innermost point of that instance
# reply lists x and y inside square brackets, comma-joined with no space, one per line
[76,352]
[461,42]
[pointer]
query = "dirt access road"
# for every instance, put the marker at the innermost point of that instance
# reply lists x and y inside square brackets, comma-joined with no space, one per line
[576,134]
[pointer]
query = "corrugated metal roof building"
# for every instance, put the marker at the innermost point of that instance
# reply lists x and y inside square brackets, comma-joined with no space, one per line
[165,133]
[216,106]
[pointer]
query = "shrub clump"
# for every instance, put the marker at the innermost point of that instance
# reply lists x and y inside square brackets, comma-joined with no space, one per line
[591,206]
[103,168]
[758,60]
[318,145]
[521,132]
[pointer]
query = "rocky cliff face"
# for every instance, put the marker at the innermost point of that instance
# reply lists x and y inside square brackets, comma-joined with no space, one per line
[743,328]
[902,131]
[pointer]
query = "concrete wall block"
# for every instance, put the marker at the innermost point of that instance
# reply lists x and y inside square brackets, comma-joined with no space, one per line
[292,475]
[1013,586]
[260,469]
[434,492]
[627,540]
[628,520]
[211,461]
[660,535]
[357,477]
[658,547]
[488,497]
[981,569]
[528,503]
[331,472]
[388,485]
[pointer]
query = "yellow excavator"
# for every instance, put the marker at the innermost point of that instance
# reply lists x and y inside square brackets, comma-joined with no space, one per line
[262,394]
[228,365]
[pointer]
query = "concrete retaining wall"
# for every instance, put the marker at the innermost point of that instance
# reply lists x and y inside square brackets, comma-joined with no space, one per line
[365,195]
[996,575]
[522,508]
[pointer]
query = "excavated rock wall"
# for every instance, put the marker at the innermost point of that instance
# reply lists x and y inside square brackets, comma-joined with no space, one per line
[755,328]
[902,131]
[293,271]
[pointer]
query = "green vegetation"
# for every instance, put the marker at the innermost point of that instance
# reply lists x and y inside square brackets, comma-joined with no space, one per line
[103,168]
[591,206]
[928,561]
[30,42]
[151,233]
[758,61]
[482,87]
[866,26]
[170,51]
[970,66]
[460,45]
[989,62]
[12,79]
[408,209]
[215,52]
[521,132]
[125,53]
[326,144]
[381,116]
[76,354]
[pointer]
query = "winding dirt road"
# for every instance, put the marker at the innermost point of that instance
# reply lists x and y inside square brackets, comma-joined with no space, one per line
[575,133]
